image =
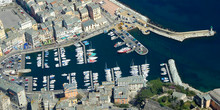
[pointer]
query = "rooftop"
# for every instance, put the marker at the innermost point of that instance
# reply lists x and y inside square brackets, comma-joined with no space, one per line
[215,94]
[88,23]
[132,80]
[5,85]
[71,86]
[120,92]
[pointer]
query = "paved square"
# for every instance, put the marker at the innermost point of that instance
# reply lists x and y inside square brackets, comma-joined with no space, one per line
[9,19]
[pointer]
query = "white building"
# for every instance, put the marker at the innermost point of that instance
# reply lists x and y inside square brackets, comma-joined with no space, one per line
[5,2]
[25,24]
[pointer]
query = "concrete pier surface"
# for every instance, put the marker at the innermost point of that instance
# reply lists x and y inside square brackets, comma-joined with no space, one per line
[179,36]
[175,75]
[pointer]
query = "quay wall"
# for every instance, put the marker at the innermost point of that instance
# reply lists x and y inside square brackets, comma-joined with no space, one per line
[132,11]
[179,36]
[174,72]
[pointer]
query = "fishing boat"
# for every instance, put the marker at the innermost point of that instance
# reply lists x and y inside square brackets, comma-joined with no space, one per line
[86,42]
[124,50]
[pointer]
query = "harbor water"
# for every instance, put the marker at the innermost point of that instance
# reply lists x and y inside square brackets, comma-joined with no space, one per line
[197,60]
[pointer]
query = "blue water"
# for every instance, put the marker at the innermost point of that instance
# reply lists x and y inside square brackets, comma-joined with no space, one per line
[106,53]
[197,59]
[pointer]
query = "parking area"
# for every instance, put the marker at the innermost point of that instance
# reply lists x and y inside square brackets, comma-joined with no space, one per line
[9,65]
[9,18]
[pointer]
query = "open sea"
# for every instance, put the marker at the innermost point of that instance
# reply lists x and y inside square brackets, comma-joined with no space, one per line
[197,60]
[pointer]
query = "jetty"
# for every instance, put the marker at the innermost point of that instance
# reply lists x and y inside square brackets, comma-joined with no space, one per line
[168,72]
[59,57]
[113,77]
[91,79]
[30,84]
[180,36]
[42,59]
[132,19]
[174,73]
[48,83]
[130,41]
[84,52]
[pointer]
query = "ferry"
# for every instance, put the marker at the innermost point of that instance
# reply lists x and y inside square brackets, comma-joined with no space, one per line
[124,50]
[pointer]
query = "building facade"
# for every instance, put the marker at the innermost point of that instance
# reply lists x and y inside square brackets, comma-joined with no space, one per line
[94,11]
[70,90]
[14,91]
[2,31]
[121,95]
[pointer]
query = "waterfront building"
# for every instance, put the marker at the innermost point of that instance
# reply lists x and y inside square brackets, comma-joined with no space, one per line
[25,24]
[2,31]
[134,83]
[5,103]
[94,11]
[33,38]
[121,95]
[15,40]
[203,100]
[84,15]
[89,25]
[180,96]
[109,7]
[5,2]
[70,90]
[14,91]
[48,99]
[215,101]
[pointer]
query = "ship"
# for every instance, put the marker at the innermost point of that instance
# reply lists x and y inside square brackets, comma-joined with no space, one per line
[124,50]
